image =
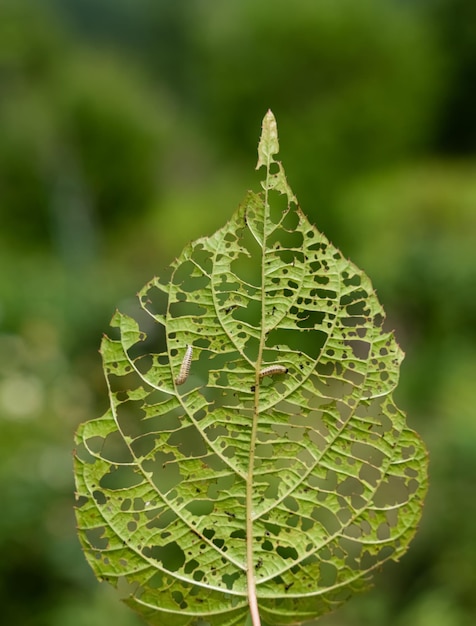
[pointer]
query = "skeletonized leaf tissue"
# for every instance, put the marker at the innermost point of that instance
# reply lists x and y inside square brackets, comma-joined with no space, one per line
[252,463]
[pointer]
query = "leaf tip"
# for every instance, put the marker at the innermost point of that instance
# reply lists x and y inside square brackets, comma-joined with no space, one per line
[268,143]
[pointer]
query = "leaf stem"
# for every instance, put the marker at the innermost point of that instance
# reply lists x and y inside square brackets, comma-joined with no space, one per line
[251,582]
[252,599]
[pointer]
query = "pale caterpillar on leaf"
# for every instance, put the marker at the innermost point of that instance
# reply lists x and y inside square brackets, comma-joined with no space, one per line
[185,367]
[273,370]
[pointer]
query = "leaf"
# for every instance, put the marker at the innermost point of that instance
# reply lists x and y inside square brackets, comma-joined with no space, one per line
[209,494]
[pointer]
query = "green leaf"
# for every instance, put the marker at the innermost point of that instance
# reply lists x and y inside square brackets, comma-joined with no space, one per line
[210,494]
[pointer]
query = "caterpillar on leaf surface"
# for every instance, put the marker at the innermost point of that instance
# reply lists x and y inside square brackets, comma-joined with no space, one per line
[185,367]
[273,370]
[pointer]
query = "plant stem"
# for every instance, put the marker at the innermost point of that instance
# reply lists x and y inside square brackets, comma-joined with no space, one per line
[252,599]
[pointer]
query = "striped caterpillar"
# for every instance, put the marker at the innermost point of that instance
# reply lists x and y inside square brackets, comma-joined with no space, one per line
[185,367]
[273,370]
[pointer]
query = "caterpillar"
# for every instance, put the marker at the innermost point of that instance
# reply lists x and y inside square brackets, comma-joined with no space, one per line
[185,367]
[273,370]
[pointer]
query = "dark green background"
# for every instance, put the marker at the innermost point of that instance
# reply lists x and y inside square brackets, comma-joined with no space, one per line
[128,128]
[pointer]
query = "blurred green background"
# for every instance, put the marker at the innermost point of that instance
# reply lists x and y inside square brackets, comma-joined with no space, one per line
[128,128]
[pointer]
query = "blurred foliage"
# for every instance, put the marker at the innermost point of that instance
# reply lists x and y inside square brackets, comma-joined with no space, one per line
[455,24]
[126,129]
[71,161]
[353,84]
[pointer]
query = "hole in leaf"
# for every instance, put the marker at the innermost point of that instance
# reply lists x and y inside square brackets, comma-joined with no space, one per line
[170,555]
[200,507]
[287,552]
[97,538]
[120,477]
